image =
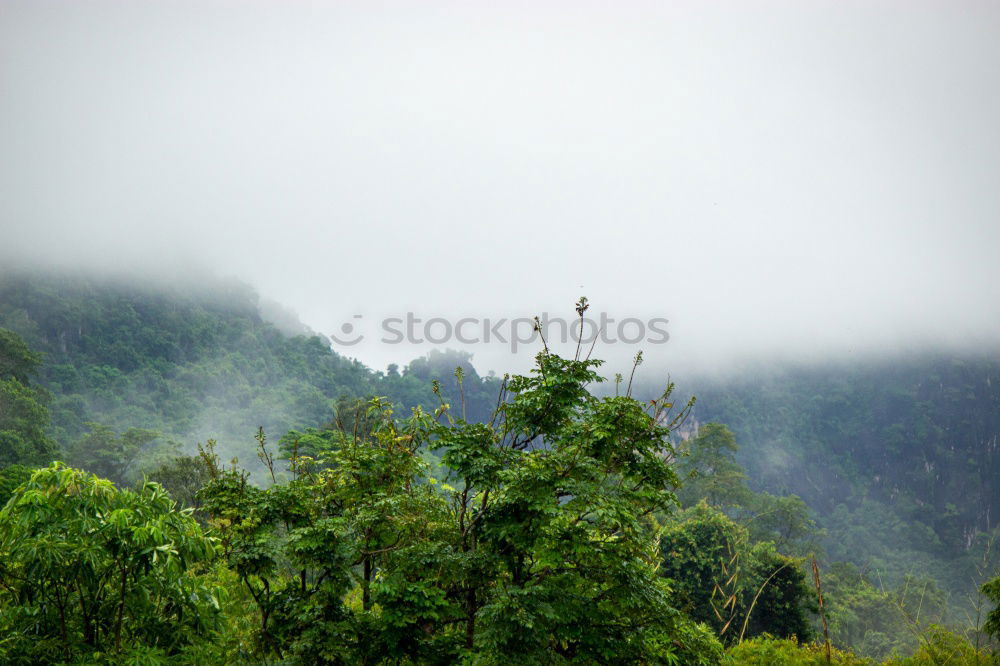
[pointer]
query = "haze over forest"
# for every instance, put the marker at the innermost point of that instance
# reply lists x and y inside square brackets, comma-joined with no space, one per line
[776,178]
[218,445]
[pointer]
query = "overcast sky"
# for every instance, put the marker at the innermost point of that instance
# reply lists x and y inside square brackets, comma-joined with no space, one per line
[796,178]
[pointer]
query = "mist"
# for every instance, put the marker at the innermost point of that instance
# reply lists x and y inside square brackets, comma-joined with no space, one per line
[785,180]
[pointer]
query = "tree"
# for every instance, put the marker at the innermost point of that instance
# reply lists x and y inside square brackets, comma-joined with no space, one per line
[23,412]
[777,601]
[116,456]
[552,524]
[11,477]
[700,551]
[182,477]
[300,546]
[783,520]
[87,569]
[740,588]
[709,470]
[991,590]
[537,544]
[878,621]
[940,645]
[17,361]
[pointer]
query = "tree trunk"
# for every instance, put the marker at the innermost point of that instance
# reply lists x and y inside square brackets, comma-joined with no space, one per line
[470,623]
[121,612]
[366,592]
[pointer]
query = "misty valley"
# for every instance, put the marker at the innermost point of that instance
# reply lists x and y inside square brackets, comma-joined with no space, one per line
[652,333]
[186,478]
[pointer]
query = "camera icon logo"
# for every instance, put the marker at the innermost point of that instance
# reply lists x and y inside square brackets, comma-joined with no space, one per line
[347,330]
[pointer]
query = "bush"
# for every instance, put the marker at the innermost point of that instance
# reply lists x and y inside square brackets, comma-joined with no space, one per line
[88,569]
[769,651]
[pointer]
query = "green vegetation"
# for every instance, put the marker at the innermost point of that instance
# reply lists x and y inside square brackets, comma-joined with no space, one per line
[898,460]
[539,546]
[23,413]
[739,587]
[189,363]
[90,571]
[430,515]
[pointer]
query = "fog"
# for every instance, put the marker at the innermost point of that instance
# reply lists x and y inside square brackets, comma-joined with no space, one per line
[791,179]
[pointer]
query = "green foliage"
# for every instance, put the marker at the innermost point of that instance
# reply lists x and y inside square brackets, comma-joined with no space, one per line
[182,477]
[701,550]
[471,396]
[732,575]
[88,569]
[196,361]
[712,474]
[534,544]
[768,651]
[785,521]
[550,504]
[895,457]
[709,469]
[939,646]
[23,413]
[11,477]
[300,546]
[536,539]
[991,590]
[740,588]
[115,456]
[17,361]
[782,600]
[878,621]
[23,420]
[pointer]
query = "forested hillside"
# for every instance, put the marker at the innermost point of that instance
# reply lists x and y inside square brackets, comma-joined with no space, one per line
[196,361]
[899,459]
[432,515]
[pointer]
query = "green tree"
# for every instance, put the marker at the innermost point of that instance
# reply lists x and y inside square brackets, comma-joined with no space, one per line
[538,544]
[709,469]
[991,590]
[552,524]
[11,477]
[182,477]
[24,416]
[778,601]
[301,546]
[701,551]
[878,621]
[87,569]
[118,457]
[740,588]
[783,520]
[17,360]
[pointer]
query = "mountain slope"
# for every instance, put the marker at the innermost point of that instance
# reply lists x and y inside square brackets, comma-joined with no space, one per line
[900,459]
[195,361]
